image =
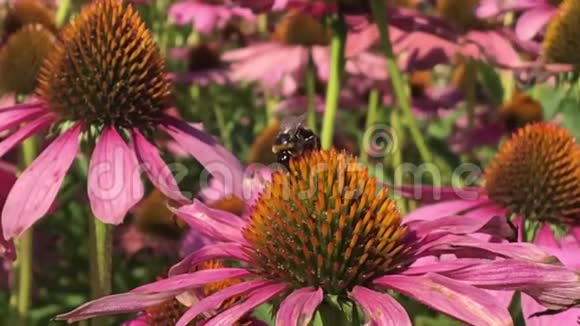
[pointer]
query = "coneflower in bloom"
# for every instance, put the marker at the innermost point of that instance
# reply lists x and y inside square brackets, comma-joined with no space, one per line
[206,15]
[27,12]
[102,84]
[326,229]
[535,176]
[535,14]
[559,45]
[279,64]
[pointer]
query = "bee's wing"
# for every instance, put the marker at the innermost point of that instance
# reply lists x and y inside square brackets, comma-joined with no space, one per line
[293,122]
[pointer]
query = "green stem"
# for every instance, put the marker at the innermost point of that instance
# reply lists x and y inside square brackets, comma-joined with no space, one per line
[101,261]
[62,12]
[470,85]
[337,46]
[222,126]
[311,95]
[372,114]
[397,159]
[399,85]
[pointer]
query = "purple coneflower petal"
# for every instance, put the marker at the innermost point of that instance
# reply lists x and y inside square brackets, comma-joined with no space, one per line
[155,168]
[115,304]
[299,307]
[215,300]
[213,223]
[255,298]
[489,224]
[209,252]
[24,132]
[114,182]
[183,282]
[531,307]
[446,208]
[464,302]
[7,180]
[11,117]
[36,189]
[380,308]
[213,156]
[429,194]
[532,21]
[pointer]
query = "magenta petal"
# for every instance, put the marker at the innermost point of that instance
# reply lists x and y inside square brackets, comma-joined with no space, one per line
[12,117]
[446,208]
[429,194]
[24,132]
[114,182]
[215,300]
[530,307]
[35,190]
[532,21]
[299,307]
[209,252]
[489,224]
[115,304]
[545,237]
[183,282]
[255,298]
[213,156]
[213,223]
[380,308]
[157,171]
[7,180]
[464,302]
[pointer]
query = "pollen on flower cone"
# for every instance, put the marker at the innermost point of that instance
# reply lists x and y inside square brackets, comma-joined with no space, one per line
[536,174]
[561,43]
[21,58]
[107,70]
[325,223]
[25,12]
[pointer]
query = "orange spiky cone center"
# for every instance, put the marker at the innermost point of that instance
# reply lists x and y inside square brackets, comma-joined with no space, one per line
[28,12]
[536,174]
[107,70]
[326,223]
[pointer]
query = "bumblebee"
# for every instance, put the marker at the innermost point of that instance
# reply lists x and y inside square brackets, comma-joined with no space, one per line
[293,140]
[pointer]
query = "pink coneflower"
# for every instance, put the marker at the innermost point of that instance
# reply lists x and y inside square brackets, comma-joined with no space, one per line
[534,177]
[204,66]
[206,16]
[535,14]
[104,83]
[326,229]
[279,64]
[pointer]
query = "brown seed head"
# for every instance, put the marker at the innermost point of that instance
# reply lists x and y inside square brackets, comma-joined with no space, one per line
[460,13]
[230,204]
[300,29]
[325,223]
[107,70]
[165,314]
[25,12]
[153,217]
[561,44]
[21,58]
[536,174]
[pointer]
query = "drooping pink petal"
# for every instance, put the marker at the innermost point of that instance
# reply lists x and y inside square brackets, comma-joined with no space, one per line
[114,181]
[213,223]
[489,224]
[429,194]
[255,298]
[459,300]
[209,252]
[24,132]
[115,304]
[215,300]
[531,22]
[531,307]
[545,237]
[35,190]
[13,116]
[446,208]
[299,307]
[380,308]
[184,282]
[214,157]
[157,171]
[7,180]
